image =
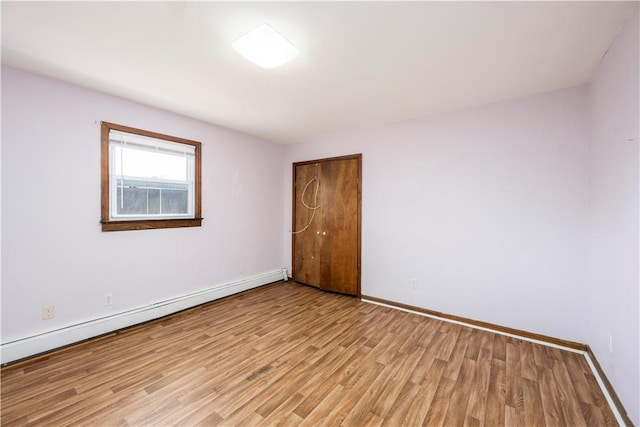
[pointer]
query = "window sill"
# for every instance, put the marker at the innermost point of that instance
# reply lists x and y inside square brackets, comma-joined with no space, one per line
[150,224]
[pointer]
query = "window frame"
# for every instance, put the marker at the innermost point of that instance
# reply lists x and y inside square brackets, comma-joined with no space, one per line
[145,223]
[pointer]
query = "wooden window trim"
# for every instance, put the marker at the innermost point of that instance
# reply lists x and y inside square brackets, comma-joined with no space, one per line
[146,224]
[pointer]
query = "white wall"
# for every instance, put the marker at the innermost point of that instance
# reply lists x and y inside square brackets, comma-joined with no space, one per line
[613,284]
[53,249]
[486,208]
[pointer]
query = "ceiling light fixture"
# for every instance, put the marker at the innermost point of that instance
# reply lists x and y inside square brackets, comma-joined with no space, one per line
[265,47]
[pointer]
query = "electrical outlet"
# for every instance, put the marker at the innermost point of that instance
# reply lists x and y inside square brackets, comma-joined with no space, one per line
[108,299]
[241,268]
[48,312]
[414,284]
[610,342]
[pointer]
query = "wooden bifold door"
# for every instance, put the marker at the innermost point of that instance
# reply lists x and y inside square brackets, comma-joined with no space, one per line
[326,223]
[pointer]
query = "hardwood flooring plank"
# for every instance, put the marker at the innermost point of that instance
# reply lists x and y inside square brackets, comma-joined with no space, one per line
[69,405]
[440,403]
[323,408]
[527,361]
[570,407]
[423,368]
[472,422]
[279,413]
[592,415]
[195,411]
[392,388]
[473,348]
[459,399]
[400,407]
[267,401]
[360,382]
[479,386]
[100,412]
[363,407]
[373,420]
[512,417]
[316,389]
[290,420]
[500,347]
[253,419]
[548,391]
[449,336]
[533,409]
[352,369]
[541,357]
[212,419]
[513,393]
[456,356]
[494,411]
[423,401]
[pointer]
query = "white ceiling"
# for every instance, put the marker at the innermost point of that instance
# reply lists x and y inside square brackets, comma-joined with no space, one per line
[362,64]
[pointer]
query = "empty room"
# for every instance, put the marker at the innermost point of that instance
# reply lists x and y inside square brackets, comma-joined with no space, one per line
[320,213]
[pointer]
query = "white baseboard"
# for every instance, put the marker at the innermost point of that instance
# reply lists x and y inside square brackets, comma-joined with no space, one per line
[32,345]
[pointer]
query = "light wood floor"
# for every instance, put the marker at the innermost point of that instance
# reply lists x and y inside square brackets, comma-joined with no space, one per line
[288,354]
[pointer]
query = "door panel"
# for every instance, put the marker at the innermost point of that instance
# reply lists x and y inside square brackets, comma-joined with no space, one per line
[307,243]
[340,223]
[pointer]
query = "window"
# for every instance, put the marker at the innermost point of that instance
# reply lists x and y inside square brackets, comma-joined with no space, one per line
[149,180]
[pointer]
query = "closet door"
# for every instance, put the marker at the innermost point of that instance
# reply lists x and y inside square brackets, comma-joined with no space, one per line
[326,220]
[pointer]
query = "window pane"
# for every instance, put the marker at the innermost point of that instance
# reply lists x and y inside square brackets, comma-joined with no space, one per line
[174,201]
[152,198]
[153,201]
[145,164]
[131,201]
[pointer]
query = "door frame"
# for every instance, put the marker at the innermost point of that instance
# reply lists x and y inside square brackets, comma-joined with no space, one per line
[357,157]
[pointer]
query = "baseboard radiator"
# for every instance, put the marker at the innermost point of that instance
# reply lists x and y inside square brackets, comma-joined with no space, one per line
[50,340]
